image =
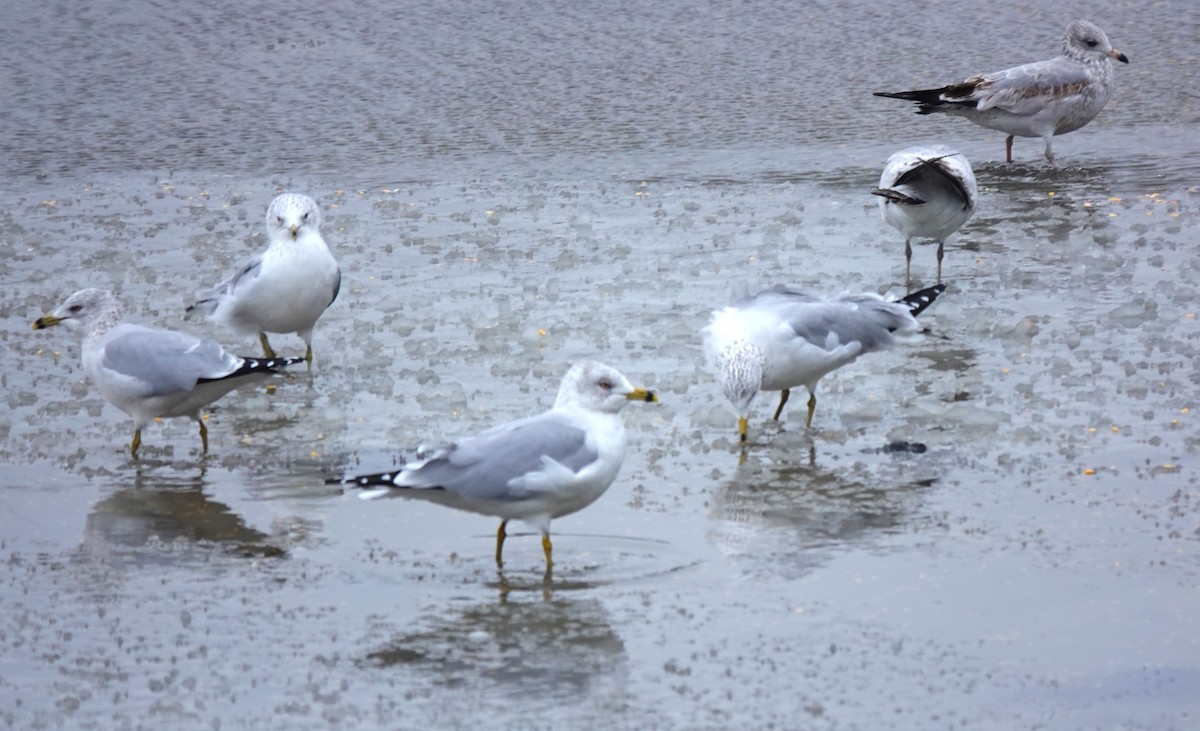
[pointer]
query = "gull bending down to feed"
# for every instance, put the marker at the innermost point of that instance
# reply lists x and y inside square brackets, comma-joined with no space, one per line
[151,373]
[781,338]
[926,192]
[1040,99]
[284,289]
[533,469]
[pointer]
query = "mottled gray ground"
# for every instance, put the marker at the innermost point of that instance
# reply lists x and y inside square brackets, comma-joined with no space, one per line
[509,190]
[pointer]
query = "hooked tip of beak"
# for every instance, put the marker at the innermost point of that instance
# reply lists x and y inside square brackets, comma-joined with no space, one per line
[46,321]
[295,229]
[1119,56]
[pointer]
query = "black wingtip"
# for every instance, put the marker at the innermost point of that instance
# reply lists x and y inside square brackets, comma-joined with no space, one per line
[378,479]
[269,364]
[927,96]
[920,301]
[256,365]
[897,197]
[196,307]
[934,100]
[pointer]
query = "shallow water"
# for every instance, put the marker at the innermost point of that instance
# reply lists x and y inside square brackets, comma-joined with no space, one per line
[994,525]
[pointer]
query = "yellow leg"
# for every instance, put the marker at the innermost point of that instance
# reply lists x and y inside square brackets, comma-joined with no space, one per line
[908,264]
[137,442]
[203,436]
[547,549]
[743,428]
[501,534]
[308,354]
[267,352]
[783,397]
[812,406]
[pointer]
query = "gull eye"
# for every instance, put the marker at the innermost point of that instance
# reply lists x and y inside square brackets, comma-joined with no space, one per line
[605,384]
[1092,44]
[75,309]
[305,216]
[279,220]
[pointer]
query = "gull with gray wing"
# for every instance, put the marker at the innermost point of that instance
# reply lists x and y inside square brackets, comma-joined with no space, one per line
[1040,99]
[533,469]
[151,373]
[286,288]
[781,338]
[926,192]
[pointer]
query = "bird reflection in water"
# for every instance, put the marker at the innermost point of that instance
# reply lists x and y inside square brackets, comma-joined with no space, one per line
[778,508]
[550,649]
[169,512]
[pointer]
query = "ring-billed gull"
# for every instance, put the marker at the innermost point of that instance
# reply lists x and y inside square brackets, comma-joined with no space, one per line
[286,288]
[1039,99]
[781,338]
[150,373]
[926,192]
[533,469]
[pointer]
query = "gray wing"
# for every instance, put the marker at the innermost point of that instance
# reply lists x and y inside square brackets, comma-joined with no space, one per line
[942,166]
[863,318]
[161,362]
[481,467]
[207,304]
[249,271]
[780,295]
[337,286]
[956,175]
[1026,89]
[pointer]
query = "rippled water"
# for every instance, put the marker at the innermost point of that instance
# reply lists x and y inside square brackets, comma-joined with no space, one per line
[992,526]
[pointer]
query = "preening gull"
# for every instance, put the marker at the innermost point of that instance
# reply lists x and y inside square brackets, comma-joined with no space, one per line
[926,192]
[781,338]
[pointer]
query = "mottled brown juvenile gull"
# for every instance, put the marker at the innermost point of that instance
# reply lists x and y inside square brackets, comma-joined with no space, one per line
[781,338]
[534,469]
[1041,99]
[151,373]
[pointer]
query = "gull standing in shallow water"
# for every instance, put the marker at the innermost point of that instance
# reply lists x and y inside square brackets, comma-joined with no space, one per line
[926,192]
[286,288]
[150,373]
[781,338]
[1039,99]
[533,469]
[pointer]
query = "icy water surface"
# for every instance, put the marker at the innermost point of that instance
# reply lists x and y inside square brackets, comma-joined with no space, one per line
[993,526]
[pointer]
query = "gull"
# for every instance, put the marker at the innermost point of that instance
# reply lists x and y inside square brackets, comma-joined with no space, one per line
[151,373]
[284,289]
[533,469]
[926,192]
[1040,99]
[781,338]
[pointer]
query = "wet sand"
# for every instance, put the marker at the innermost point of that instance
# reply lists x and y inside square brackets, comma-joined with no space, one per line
[992,526]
